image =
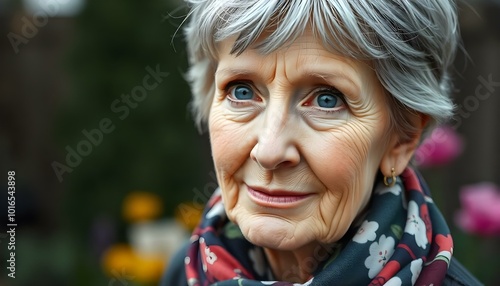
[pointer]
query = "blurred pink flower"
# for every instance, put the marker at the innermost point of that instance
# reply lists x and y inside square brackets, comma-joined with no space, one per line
[441,147]
[480,213]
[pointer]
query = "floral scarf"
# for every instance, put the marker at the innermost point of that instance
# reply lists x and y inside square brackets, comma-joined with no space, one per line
[402,239]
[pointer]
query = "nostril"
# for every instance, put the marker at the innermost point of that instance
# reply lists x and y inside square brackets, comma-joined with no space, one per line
[285,164]
[253,153]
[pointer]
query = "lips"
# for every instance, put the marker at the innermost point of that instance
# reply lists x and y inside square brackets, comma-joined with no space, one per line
[276,198]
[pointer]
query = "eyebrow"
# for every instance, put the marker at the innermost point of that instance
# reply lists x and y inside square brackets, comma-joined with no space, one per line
[307,74]
[325,76]
[334,75]
[234,71]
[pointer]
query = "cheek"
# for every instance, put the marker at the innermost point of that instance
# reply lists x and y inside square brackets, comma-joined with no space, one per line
[346,163]
[338,157]
[346,188]
[230,143]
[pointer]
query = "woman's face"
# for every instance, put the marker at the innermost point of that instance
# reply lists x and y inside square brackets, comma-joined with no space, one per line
[297,138]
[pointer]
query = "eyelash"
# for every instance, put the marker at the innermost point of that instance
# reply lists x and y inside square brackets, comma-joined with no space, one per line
[315,93]
[236,103]
[230,85]
[331,90]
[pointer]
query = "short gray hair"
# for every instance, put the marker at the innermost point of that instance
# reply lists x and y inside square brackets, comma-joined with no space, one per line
[411,44]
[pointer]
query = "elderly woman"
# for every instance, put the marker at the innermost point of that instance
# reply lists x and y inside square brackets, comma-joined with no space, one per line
[314,110]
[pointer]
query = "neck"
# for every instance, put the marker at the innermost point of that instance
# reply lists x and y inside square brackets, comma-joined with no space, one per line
[298,266]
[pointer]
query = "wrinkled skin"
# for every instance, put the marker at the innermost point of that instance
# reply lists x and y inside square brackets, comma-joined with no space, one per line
[309,130]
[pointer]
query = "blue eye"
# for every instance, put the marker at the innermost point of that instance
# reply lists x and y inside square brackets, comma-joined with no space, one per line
[326,100]
[242,92]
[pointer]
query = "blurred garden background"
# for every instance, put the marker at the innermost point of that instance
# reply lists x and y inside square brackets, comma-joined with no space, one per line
[111,172]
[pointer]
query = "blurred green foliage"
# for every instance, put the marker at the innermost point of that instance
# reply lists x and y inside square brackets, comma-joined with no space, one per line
[156,147]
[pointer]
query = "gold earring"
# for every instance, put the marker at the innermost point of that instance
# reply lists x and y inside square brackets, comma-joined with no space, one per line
[389,182]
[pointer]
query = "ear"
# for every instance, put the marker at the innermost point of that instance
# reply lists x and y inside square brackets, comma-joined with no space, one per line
[399,149]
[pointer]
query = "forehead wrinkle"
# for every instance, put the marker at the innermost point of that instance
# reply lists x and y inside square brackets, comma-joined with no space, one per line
[230,72]
[313,62]
[249,63]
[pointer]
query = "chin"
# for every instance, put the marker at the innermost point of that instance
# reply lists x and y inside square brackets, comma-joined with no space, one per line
[270,231]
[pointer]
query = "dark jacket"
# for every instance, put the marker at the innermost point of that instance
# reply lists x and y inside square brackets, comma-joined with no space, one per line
[176,276]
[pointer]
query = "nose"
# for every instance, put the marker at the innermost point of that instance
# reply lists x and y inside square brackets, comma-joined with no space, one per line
[276,145]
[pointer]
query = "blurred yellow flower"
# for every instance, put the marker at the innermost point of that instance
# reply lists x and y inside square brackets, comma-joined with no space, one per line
[150,268]
[121,259]
[189,214]
[141,206]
